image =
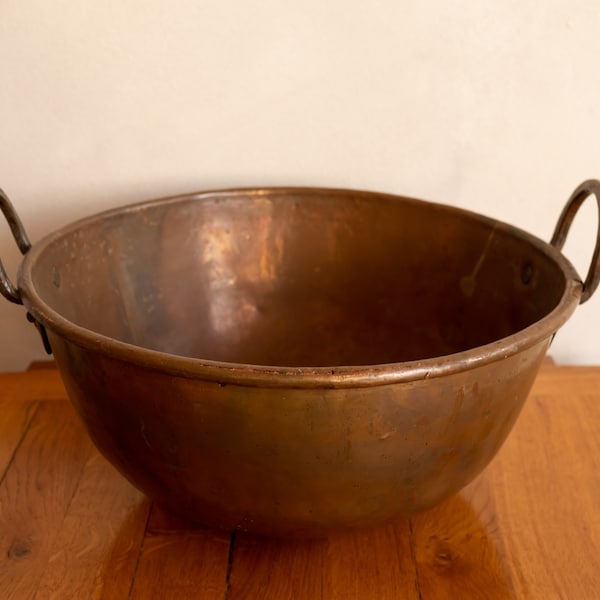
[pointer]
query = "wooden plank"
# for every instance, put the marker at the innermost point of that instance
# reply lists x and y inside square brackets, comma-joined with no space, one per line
[121,564]
[177,562]
[14,421]
[375,563]
[458,550]
[547,492]
[36,493]
[567,382]
[43,384]
[276,569]
[96,550]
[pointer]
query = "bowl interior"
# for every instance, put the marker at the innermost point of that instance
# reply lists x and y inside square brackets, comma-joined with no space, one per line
[298,277]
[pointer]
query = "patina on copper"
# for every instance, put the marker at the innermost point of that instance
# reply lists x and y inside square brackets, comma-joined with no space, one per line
[298,361]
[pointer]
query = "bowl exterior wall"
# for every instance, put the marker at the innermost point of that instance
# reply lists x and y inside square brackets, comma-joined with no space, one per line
[303,461]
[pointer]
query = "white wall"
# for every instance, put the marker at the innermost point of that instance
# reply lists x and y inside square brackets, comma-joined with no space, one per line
[494,106]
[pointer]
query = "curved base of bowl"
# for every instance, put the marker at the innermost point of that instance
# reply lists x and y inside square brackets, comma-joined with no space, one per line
[284,529]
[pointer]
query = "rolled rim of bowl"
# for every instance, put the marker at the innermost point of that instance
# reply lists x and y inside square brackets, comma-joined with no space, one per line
[345,376]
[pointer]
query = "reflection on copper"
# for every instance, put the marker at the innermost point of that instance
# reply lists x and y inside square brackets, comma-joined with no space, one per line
[239,268]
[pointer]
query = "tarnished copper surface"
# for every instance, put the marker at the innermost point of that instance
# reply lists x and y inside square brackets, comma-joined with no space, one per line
[297,361]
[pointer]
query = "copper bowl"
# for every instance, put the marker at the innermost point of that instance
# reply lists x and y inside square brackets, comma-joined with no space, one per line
[297,361]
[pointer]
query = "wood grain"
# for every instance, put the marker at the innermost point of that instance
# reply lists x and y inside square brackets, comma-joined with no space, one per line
[527,528]
[43,384]
[375,563]
[566,383]
[270,569]
[458,548]
[547,492]
[181,562]
[15,418]
[36,493]
[96,551]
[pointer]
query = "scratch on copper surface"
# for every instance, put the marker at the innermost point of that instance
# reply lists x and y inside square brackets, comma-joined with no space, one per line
[142,431]
[469,282]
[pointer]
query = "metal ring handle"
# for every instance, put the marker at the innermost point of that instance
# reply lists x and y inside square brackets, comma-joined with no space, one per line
[7,288]
[592,186]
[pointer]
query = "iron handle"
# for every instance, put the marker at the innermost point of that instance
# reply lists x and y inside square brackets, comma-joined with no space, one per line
[587,188]
[7,288]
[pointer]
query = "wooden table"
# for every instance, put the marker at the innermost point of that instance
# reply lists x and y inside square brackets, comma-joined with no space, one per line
[529,527]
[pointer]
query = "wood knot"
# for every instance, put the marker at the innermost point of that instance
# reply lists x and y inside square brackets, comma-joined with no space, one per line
[443,556]
[19,549]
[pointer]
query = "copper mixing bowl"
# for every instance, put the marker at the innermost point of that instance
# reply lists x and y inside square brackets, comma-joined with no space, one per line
[297,361]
